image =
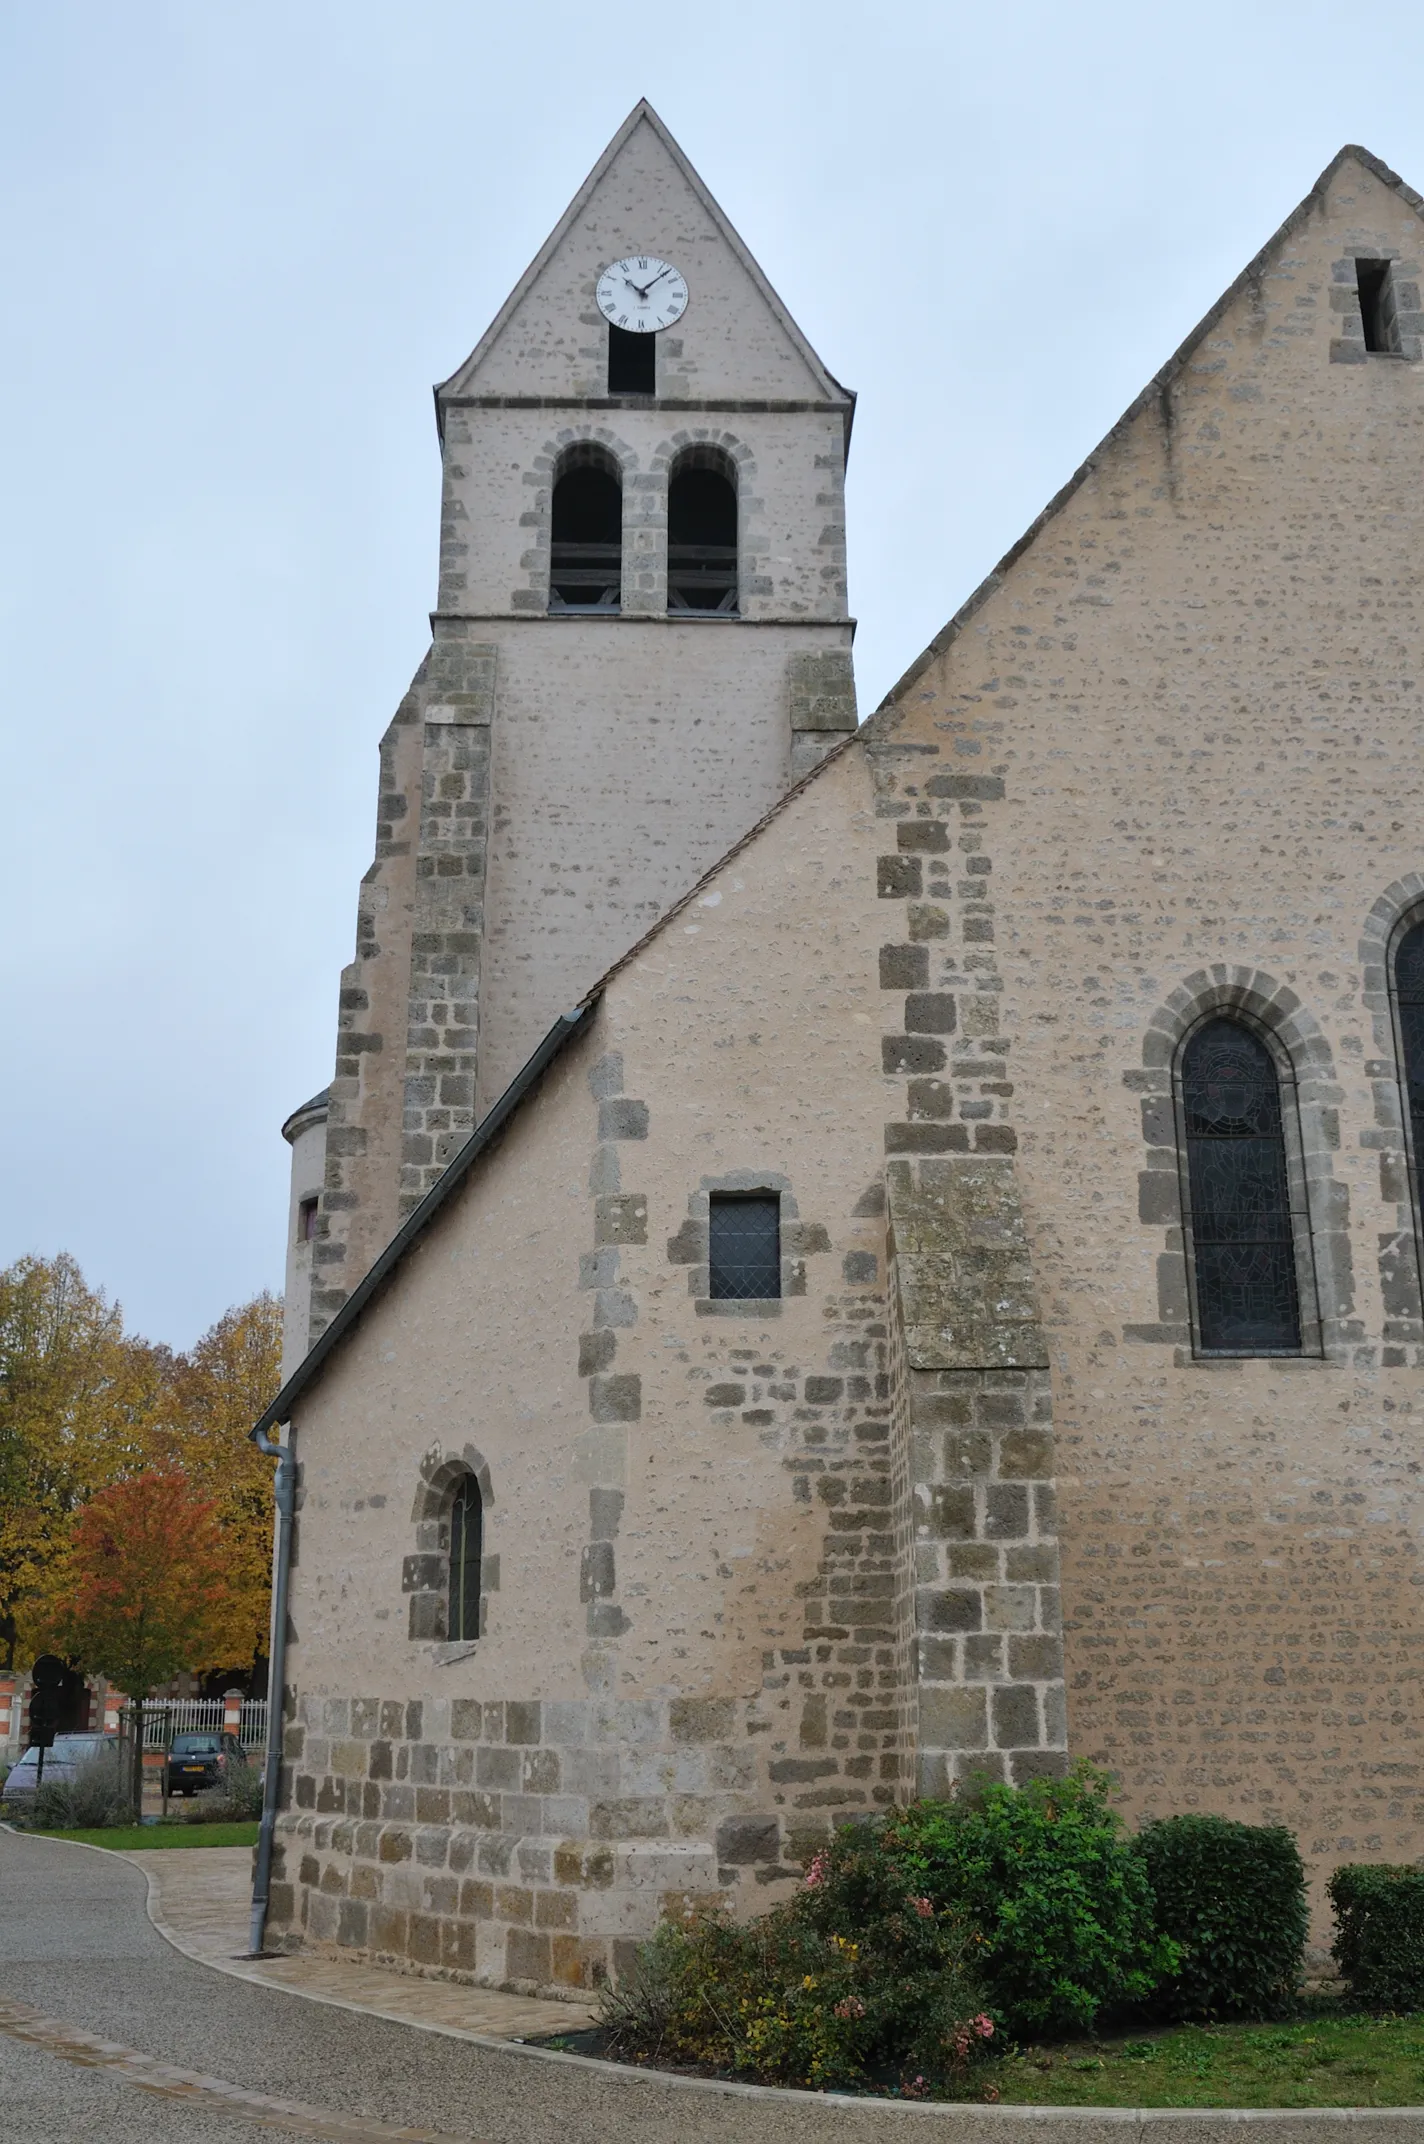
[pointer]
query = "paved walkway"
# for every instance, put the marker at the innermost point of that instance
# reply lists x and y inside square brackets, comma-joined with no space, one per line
[200,1898]
[109,2033]
[115,2032]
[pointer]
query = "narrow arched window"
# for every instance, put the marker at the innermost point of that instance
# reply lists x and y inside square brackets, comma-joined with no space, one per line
[1243,1236]
[1409,1006]
[702,532]
[586,536]
[466,1549]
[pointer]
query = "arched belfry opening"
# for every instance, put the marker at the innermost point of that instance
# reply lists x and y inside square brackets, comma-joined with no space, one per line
[702,532]
[586,537]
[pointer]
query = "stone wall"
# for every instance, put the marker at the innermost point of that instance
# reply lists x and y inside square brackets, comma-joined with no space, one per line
[713,1495]
[979,1403]
[403,1094]
[305,1132]
[1189,708]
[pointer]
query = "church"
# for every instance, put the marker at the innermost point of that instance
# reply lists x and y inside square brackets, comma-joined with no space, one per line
[841,1256]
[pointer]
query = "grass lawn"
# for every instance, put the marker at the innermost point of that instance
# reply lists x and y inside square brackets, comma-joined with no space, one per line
[1326,2060]
[123,1838]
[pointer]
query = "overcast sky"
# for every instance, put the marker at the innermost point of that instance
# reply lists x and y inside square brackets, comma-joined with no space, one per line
[238,246]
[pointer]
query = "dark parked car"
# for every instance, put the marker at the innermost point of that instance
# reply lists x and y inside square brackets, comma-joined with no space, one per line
[203,1760]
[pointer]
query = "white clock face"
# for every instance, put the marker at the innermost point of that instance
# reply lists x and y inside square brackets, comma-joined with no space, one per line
[642,294]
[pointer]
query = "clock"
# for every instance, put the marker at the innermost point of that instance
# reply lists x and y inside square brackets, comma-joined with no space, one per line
[641,294]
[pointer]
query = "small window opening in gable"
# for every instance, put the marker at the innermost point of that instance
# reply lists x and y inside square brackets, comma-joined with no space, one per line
[586,534]
[744,1246]
[466,1550]
[632,363]
[702,533]
[1377,306]
[306,1219]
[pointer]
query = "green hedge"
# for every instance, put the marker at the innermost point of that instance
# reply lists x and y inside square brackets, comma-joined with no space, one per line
[1379,1946]
[1232,1897]
[1057,1890]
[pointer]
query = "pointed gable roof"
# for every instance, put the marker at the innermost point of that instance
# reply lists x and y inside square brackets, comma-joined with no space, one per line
[663,191]
[1158,386]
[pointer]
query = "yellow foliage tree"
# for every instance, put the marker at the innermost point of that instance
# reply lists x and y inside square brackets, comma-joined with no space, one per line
[78,1401]
[217,1392]
[84,1405]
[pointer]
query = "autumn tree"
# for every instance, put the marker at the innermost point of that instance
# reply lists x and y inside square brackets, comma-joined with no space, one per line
[140,1592]
[216,1393]
[79,1401]
[84,1405]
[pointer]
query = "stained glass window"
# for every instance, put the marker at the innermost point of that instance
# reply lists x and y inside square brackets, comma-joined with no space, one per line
[1409,997]
[1242,1234]
[744,1247]
[466,1544]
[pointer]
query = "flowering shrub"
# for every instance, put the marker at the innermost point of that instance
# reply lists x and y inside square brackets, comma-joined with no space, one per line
[859,1978]
[1055,1889]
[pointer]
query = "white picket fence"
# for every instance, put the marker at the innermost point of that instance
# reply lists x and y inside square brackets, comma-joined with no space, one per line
[165,1717]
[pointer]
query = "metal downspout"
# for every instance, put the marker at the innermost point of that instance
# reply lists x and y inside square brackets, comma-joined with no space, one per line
[284,1489]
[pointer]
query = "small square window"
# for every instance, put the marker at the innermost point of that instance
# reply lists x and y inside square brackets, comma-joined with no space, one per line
[306,1219]
[744,1246]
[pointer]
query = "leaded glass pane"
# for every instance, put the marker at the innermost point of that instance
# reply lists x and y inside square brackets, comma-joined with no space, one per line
[466,1542]
[1409,997]
[1243,1237]
[744,1247]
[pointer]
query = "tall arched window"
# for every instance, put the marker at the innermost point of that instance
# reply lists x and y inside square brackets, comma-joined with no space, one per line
[1409,1007]
[466,1549]
[586,537]
[1243,1235]
[702,532]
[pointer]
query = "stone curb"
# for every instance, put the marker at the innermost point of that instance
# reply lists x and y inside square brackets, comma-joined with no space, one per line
[1207,2125]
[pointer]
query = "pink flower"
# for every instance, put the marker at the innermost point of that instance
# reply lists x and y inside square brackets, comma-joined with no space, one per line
[923,1907]
[984,2026]
[816,1873]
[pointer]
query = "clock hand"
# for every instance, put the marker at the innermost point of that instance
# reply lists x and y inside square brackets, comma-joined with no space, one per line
[642,289]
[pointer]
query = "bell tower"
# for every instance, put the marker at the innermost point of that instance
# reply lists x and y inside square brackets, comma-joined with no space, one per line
[641,640]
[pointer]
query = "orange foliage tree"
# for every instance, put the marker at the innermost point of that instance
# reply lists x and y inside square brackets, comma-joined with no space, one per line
[215,1394]
[79,1402]
[140,1593]
[84,1404]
